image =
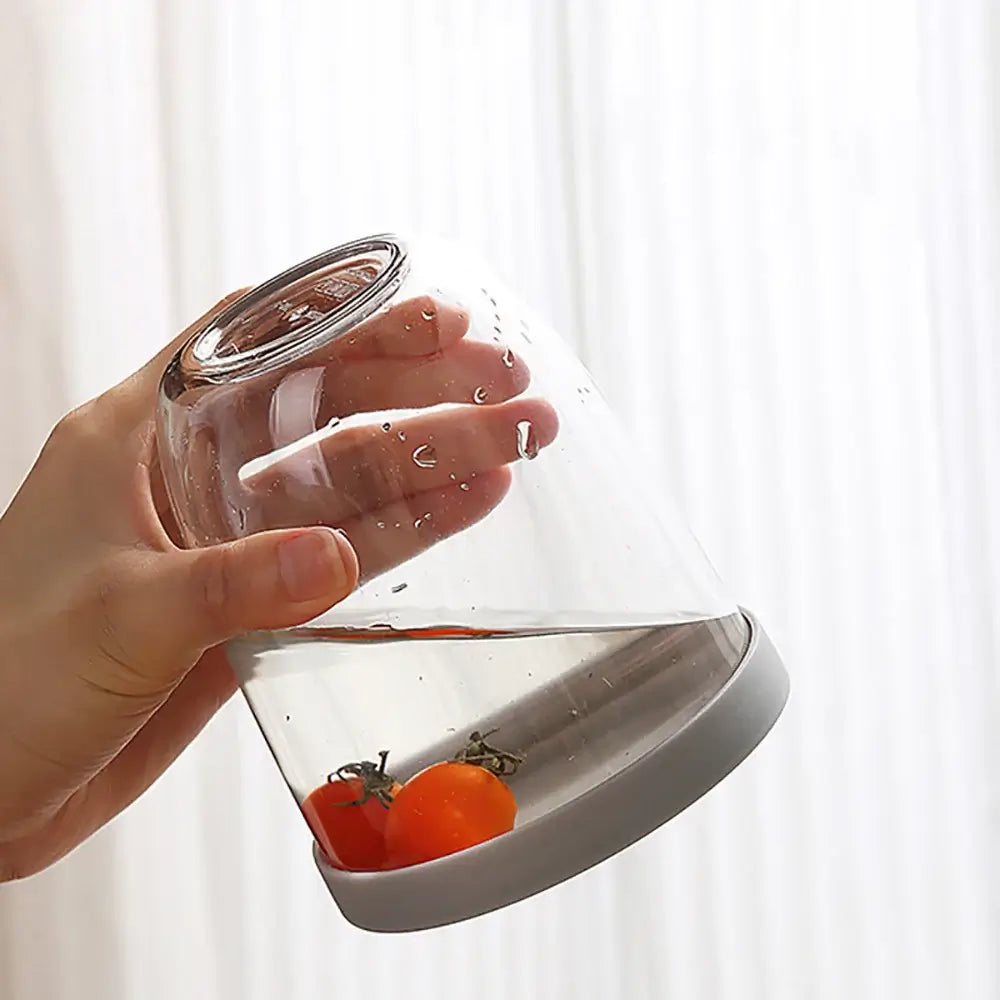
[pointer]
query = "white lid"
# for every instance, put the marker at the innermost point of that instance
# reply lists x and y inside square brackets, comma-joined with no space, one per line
[559,844]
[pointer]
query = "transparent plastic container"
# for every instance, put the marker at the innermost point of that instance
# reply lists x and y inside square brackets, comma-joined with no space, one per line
[540,664]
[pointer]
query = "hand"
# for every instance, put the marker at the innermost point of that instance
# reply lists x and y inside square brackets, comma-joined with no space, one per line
[110,633]
[393,487]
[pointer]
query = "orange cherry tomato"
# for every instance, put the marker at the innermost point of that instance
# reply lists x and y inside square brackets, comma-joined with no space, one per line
[447,808]
[348,814]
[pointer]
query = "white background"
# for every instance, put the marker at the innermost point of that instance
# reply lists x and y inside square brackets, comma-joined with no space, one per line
[771,229]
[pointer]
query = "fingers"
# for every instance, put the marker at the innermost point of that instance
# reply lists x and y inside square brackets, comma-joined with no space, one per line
[403,529]
[414,328]
[470,371]
[126,643]
[371,468]
[365,469]
[188,601]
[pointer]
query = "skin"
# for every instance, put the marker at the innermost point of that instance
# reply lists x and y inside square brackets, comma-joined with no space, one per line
[111,633]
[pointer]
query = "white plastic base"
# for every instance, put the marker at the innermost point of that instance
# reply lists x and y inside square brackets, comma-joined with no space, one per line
[585,831]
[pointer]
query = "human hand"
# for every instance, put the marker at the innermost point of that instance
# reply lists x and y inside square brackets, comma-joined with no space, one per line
[110,632]
[308,443]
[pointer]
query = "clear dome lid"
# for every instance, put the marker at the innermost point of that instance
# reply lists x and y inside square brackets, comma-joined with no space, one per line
[453,437]
[539,666]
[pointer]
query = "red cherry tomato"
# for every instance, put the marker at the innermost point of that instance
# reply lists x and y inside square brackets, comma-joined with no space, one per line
[352,835]
[447,808]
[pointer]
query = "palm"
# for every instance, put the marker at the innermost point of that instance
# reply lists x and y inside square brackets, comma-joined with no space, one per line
[124,518]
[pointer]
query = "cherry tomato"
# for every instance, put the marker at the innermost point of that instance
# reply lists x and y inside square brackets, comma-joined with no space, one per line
[447,808]
[348,815]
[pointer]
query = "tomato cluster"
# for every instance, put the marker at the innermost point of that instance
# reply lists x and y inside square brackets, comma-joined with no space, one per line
[365,820]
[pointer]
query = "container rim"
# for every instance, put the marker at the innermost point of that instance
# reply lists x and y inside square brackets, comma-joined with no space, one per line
[209,354]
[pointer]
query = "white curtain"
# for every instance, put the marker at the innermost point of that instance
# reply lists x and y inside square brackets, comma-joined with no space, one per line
[771,228]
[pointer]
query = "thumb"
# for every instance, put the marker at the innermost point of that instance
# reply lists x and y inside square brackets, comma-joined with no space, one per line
[271,580]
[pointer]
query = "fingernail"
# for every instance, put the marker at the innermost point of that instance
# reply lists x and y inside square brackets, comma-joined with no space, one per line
[312,565]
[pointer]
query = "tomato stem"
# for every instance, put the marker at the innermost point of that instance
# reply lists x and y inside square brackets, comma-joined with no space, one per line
[376,783]
[502,763]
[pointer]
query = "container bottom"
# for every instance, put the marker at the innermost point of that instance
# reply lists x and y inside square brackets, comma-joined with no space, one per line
[647,785]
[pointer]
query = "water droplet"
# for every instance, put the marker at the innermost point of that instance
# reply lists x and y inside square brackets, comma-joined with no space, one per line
[380,524]
[451,475]
[401,435]
[464,486]
[508,358]
[527,443]
[479,396]
[242,514]
[606,681]
[427,517]
[399,587]
[386,426]
[397,524]
[419,521]
[407,326]
[425,457]
[332,422]
[428,314]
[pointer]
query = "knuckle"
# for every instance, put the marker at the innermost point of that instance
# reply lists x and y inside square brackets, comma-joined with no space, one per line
[376,476]
[375,483]
[85,428]
[214,590]
[72,427]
